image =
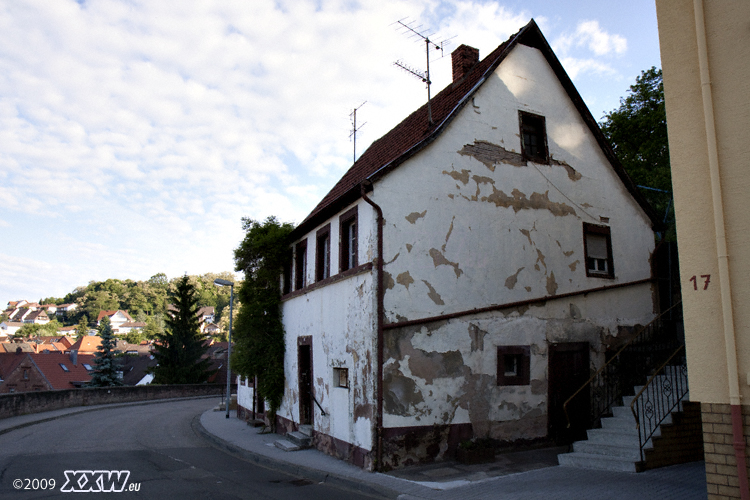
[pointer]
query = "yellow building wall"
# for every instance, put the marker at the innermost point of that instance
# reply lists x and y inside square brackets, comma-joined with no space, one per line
[727,25]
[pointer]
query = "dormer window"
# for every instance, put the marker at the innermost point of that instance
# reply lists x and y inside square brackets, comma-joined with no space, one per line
[533,137]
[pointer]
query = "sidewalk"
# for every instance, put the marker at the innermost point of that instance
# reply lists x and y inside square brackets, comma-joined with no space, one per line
[448,480]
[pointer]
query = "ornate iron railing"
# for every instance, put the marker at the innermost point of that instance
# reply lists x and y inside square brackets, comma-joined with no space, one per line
[662,393]
[632,364]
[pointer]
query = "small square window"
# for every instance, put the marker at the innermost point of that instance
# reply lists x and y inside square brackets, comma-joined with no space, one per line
[341,377]
[597,244]
[348,240]
[533,137]
[513,365]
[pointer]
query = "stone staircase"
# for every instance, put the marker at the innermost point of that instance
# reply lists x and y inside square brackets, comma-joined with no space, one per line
[297,440]
[615,446]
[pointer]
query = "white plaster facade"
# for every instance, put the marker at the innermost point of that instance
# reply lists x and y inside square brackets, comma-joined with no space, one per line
[481,248]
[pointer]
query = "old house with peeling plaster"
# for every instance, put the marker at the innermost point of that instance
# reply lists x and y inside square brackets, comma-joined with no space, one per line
[466,274]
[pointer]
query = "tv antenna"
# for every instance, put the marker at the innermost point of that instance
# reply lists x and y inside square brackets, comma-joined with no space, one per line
[414,32]
[353,135]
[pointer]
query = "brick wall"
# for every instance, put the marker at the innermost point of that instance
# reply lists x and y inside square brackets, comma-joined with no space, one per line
[721,465]
[12,405]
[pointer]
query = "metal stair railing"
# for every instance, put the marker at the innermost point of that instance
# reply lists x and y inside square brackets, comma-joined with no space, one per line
[663,392]
[630,365]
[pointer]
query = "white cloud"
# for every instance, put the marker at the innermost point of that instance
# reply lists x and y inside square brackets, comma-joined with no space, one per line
[140,133]
[589,34]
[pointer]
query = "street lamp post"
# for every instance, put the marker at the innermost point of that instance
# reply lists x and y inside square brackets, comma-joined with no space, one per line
[230,284]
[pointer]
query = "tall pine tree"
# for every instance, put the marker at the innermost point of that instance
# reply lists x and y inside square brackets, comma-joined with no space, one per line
[180,347]
[105,363]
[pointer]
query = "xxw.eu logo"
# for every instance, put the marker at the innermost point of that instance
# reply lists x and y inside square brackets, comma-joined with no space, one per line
[95,480]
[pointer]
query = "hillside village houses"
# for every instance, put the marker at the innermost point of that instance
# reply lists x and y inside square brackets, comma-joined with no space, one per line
[466,274]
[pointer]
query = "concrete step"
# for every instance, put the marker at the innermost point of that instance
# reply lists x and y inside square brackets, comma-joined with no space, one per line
[596,461]
[299,439]
[286,445]
[623,412]
[615,423]
[307,430]
[587,447]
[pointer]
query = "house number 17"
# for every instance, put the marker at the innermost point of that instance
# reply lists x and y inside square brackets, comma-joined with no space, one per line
[706,281]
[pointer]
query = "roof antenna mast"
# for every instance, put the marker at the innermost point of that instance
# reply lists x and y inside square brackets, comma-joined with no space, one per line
[414,31]
[353,135]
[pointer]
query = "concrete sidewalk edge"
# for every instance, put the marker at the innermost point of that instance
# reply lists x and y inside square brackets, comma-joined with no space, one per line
[75,410]
[371,488]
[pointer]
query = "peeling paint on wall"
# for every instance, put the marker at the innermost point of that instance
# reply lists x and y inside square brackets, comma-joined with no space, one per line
[400,392]
[540,258]
[511,280]
[477,337]
[573,175]
[573,265]
[447,236]
[409,247]
[519,201]
[551,284]
[462,176]
[433,294]
[404,279]
[432,365]
[491,154]
[414,216]
[388,282]
[438,259]
[527,233]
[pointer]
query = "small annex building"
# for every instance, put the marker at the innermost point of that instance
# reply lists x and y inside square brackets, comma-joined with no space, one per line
[466,274]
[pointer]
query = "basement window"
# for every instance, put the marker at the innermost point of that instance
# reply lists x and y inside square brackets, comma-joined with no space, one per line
[513,365]
[348,240]
[341,377]
[323,253]
[597,245]
[533,137]
[300,264]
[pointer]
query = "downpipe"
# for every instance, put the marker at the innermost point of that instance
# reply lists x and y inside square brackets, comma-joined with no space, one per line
[730,340]
[380,314]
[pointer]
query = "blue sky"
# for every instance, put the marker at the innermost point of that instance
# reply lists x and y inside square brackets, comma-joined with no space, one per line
[134,135]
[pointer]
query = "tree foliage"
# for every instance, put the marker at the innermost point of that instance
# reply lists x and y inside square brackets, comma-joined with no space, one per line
[180,347]
[637,131]
[105,363]
[38,330]
[258,330]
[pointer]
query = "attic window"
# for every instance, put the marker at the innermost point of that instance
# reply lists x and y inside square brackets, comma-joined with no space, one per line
[64,368]
[597,245]
[533,137]
[348,240]
[323,253]
[87,366]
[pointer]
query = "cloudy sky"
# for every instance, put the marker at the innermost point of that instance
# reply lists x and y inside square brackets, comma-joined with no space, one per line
[135,134]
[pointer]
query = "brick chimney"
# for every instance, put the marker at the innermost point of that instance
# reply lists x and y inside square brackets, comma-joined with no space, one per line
[464,58]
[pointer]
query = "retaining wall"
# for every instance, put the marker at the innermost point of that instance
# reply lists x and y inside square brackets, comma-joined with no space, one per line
[21,403]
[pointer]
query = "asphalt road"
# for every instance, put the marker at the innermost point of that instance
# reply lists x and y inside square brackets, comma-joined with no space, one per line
[155,443]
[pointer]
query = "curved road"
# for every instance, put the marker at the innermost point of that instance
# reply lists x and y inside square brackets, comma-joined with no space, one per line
[156,443]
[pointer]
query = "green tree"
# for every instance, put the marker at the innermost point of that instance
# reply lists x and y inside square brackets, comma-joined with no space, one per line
[83,327]
[105,364]
[259,331]
[637,131]
[179,349]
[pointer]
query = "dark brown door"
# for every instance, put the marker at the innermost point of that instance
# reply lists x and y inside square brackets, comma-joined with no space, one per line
[568,371]
[304,360]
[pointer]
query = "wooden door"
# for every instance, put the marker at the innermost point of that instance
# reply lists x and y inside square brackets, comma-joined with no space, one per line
[304,363]
[568,371]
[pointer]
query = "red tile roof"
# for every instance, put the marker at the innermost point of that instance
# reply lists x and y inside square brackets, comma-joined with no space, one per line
[49,365]
[414,133]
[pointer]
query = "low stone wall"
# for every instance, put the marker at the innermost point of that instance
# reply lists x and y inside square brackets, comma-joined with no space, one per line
[22,403]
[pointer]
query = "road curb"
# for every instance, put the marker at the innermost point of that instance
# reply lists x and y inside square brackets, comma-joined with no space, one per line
[293,469]
[84,409]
